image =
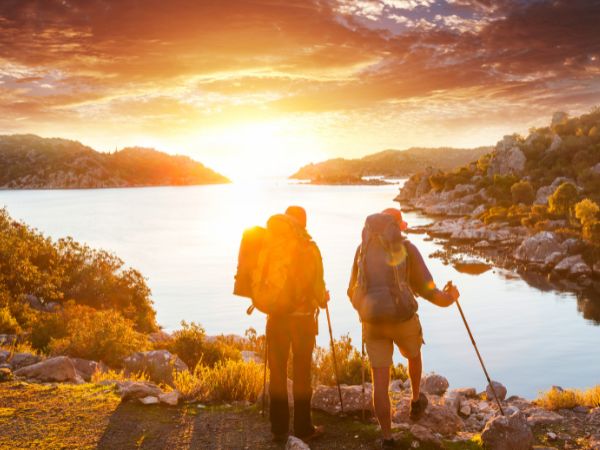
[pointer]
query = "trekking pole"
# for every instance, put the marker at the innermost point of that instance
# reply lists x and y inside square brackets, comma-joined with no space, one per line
[362,371]
[337,379]
[479,356]
[264,397]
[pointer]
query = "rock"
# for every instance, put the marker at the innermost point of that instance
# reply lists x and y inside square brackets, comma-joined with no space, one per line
[553,259]
[131,390]
[438,418]
[558,118]
[4,355]
[498,388]
[59,369]
[541,416]
[468,392]
[19,360]
[507,433]
[465,409]
[537,248]
[293,443]
[396,386]
[556,143]
[150,400]
[434,384]
[479,210]
[552,436]
[86,368]
[425,435]
[573,246]
[573,266]
[596,169]
[170,398]
[5,374]
[507,158]
[452,400]
[158,364]
[326,398]
[248,356]
[8,339]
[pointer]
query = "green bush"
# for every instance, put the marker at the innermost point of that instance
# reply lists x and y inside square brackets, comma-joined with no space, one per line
[562,201]
[97,335]
[522,192]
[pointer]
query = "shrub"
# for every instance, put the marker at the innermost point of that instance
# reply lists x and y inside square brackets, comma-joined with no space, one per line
[563,199]
[227,381]
[98,335]
[556,399]
[8,324]
[586,211]
[522,192]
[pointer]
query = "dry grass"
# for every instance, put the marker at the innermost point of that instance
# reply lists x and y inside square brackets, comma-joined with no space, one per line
[228,380]
[555,399]
[111,375]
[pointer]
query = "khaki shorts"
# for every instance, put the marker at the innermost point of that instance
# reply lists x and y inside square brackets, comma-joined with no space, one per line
[380,340]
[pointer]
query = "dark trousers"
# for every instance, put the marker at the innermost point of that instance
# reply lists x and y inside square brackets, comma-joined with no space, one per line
[297,332]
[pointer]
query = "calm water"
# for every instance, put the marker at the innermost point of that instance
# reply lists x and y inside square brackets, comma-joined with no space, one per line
[185,241]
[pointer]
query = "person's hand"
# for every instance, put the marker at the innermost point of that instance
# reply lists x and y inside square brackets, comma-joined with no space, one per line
[451,291]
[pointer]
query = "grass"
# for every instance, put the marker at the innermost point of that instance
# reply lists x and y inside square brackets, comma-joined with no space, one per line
[555,399]
[228,380]
[111,375]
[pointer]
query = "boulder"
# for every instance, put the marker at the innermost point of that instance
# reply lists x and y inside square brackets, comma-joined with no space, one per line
[553,259]
[507,158]
[468,392]
[507,433]
[540,416]
[59,369]
[4,355]
[498,388]
[438,418]
[86,368]
[453,399]
[157,364]
[293,443]
[573,246]
[396,386]
[19,360]
[170,398]
[131,390]
[150,400]
[326,398]
[434,384]
[537,248]
[5,374]
[573,266]
[425,435]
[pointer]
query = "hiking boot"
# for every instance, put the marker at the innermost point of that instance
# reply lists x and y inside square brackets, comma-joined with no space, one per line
[318,432]
[417,408]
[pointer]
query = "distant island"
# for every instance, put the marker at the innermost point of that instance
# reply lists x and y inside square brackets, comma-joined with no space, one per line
[388,164]
[31,162]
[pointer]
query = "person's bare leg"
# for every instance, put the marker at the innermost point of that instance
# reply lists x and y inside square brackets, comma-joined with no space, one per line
[415,368]
[381,400]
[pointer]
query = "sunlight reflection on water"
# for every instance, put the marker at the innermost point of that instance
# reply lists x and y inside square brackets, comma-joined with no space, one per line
[185,241]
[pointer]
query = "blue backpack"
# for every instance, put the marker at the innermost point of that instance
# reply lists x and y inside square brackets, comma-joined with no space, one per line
[382,293]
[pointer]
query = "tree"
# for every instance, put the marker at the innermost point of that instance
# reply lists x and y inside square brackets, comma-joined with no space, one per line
[563,199]
[522,192]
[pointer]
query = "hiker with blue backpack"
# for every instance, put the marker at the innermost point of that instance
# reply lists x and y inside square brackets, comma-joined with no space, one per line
[387,273]
[281,270]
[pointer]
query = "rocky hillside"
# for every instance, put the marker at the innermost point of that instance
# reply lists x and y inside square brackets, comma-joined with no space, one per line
[531,202]
[32,162]
[388,163]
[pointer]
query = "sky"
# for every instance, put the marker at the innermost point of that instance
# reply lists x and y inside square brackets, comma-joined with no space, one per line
[264,86]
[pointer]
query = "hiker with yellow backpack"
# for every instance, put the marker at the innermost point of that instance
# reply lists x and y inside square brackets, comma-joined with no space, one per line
[281,270]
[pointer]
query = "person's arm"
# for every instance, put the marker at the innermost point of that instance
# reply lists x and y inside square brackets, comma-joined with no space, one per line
[321,293]
[422,283]
[353,275]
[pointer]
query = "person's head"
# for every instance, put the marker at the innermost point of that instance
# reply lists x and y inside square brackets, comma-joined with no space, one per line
[298,213]
[396,214]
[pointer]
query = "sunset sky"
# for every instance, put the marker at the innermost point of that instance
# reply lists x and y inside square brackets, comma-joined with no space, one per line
[269,85]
